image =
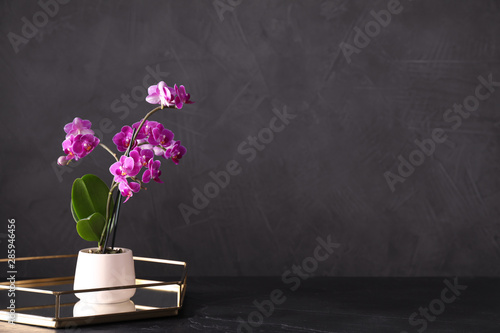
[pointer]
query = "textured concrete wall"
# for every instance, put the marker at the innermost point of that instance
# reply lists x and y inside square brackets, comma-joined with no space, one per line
[356,103]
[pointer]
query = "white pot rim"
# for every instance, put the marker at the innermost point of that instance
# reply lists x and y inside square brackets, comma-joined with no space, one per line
[86,251]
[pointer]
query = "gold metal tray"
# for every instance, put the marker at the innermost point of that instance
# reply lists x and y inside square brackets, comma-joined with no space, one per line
[49,301]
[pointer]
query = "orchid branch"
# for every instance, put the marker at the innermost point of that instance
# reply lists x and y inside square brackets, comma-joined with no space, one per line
[109,150]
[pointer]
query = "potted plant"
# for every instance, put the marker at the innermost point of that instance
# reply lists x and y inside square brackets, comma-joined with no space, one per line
[96,207]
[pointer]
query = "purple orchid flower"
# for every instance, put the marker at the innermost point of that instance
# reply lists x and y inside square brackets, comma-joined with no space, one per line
[145,129]
[157,150]
[126,167]
[79,146]
[161,136]
[181,97]
[160,94]
[145,155]
[78,126]
[122,139]
[175,152]
[128,189]
[151,126]
[153,172]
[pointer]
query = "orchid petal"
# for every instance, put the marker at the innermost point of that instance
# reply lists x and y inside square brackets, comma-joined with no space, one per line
[135,186]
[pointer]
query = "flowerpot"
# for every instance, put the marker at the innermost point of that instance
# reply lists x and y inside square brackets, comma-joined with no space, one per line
[95,270]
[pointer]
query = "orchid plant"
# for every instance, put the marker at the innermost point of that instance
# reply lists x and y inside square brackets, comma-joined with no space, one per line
[92,205]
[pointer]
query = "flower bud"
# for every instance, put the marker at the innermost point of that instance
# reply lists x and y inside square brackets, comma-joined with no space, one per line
[62,161]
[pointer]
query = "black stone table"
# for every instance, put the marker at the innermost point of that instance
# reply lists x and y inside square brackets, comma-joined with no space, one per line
[318,305]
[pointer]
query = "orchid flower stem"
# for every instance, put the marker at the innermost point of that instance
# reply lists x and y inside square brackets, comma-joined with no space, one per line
[110,194]
[115,226]
[113,186]
[137,181]
[109,151]
[112,222]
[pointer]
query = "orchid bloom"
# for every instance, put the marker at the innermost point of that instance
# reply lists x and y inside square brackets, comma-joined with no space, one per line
[175,152]
[181,97]
[160,94]
[80,141]
[161,136]
[126,167]
[145,155]
[78,126]
[122,139]
[145,129]
[153,172]
[127,188]
[76,147]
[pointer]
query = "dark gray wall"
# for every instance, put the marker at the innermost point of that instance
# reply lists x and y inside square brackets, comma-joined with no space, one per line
[322,174]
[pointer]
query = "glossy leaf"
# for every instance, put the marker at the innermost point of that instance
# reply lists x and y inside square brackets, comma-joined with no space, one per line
[91,228]
[73,212]
[89,195]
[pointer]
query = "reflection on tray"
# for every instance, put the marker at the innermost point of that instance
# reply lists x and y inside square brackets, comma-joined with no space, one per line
[83,309]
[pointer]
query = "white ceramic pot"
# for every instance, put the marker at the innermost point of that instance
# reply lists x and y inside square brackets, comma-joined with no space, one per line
[95,270]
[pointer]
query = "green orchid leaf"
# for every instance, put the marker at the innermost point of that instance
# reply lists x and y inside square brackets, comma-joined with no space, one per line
[91,228]
[89,195]
[73,212]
